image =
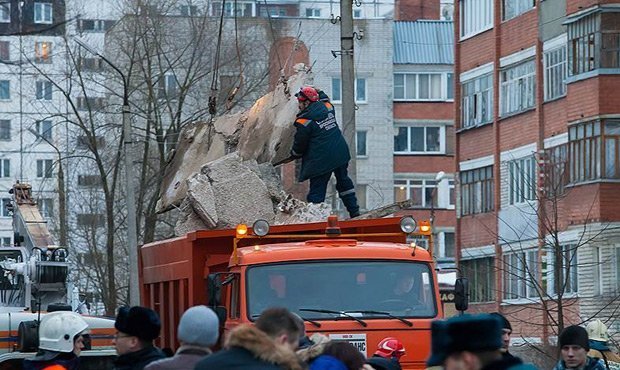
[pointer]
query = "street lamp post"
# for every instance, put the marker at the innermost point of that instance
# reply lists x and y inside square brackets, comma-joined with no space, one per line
[132,235]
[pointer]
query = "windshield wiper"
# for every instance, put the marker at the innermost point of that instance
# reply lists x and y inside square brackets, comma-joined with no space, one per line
[315,323]
[409,323]
[364,324]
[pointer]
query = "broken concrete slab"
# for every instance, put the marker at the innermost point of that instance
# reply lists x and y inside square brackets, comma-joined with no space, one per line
[202,199]
[295,211]
[188,220]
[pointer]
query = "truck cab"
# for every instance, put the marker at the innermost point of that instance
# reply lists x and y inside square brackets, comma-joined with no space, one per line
[359,281]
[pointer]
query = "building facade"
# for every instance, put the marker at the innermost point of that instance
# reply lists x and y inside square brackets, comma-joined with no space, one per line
[536,146]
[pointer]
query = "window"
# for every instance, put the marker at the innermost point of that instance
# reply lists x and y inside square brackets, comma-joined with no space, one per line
[568,257]
[5,51]
[273,11]
[6,203]
[555,73]
[5,90]
[593,150]
[419,191]
[520,275]
[360,90]
[518,88]
[5,129]
[512,8]
[451,194]
[357,13]
[476,16]
[313,12]
[5,12]
[43,52]
[44,168]
[477,101]
[244,9]
[46,206]
[522,180]
[5,168]
[446,245]
[44,129]
[420,140]
[477,191]
[89,180]
[594,42]
[167,87]
[44,90]
[361,143]
[556,170]
[423,86]
[481,275]
[5,242]
[43,13]
[90,220]
[94,25]
[188,10]
[90,103]
[83,142]
[90,64]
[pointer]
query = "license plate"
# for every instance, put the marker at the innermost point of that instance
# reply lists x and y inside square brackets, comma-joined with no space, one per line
[357,340]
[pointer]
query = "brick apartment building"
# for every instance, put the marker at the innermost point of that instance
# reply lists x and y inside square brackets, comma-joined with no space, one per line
[537,138]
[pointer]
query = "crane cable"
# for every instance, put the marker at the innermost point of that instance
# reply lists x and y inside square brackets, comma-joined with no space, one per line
[235,90]
[216,64]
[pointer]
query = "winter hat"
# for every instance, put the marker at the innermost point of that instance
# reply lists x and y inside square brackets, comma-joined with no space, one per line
[474,333]
[440,341]
[199,326]
[503,319]
[597,331]
[138,321]
[574,335]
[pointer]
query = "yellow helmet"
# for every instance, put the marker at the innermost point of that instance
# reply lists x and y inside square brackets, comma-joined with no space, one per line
[597,331]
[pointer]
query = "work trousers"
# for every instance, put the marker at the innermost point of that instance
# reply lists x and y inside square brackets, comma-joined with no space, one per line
[344,186]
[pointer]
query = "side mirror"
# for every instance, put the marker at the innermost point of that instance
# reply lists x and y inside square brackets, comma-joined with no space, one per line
[461,294]
[214,290]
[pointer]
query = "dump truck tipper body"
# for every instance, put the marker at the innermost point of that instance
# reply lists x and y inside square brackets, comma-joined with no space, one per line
[363,285]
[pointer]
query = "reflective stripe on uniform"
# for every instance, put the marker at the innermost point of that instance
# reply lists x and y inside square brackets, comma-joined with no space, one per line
[347,192]
[328,105]
[302,121]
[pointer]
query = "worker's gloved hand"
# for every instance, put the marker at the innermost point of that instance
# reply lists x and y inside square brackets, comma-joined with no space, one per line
[286,160]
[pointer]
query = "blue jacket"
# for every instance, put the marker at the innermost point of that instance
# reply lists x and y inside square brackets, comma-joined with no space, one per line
[318,140]
[591,364]
[327,362]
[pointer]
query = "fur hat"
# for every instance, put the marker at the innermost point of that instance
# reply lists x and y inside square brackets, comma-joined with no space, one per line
[138,321]
[503,319]
[199,326]
[475,333]
[440,342]
[574,335]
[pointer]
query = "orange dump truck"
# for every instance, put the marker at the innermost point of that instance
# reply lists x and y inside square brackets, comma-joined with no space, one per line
[358,281]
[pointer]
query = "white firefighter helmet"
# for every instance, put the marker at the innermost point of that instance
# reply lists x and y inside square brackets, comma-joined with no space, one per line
[58,329]
[597,331]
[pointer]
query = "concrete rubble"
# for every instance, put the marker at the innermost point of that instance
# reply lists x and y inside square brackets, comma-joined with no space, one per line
[222,174]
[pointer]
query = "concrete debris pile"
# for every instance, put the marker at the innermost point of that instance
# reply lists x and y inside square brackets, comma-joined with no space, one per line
[221,173]
[229,191]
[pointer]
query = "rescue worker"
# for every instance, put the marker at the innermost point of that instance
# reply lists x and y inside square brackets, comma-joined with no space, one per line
[136,328]
[60,342]
[470,342]
[506,332]
[269,344]
[598,337]
[197,331]
[574,347]
[388,354]
[322,149]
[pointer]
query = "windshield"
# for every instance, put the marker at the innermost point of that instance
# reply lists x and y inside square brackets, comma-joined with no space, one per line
[402,289]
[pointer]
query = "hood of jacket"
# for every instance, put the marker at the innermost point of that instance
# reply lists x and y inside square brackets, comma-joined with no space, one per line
[262,347]
[319,341]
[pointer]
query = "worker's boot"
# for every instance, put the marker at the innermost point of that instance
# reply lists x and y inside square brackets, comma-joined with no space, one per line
[350,202]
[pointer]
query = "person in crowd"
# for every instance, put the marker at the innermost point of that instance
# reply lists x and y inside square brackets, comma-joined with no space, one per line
[267,345]
[322,149]
[598,338]
[197,331]
[61,340]
[506,333]
[388,354]
[136,329]
[471,342]
[574,346]
[339,356]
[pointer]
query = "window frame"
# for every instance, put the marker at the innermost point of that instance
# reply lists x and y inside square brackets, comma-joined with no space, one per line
[515,102]
[45,168]
[444,82]
[5,13]
[5,168]
[424,186]
[522,180]
[44,90]
[593,151]
[522,8]
[409,151]
[314,12]
[5,130]
[5,48]
[520,284]
[43,13]
[43,52]
[44,129]
[468,12]
[4,213]
[363,153]
[553,71]
[572,288]
[482,268]
[5,87]
[337,98]
[473,104]
[476,199]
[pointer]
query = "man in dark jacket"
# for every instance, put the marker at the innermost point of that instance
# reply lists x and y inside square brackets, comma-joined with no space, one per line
[574,347]
[322,149]
[268,345]
[506,333]
[136,328]
[471,342]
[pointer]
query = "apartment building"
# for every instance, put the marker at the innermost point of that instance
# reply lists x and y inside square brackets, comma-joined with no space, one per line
[537,156]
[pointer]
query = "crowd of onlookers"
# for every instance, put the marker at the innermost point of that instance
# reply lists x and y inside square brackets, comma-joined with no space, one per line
[277,341]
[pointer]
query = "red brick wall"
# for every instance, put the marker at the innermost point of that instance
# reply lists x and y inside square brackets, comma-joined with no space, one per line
[476,143]
[519,33]
[609,199]
[582,99]
[436,110]
[423,163]
[608,94]
[519,130]
[555,117]
[411,10]
[476,51]
[478,230]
